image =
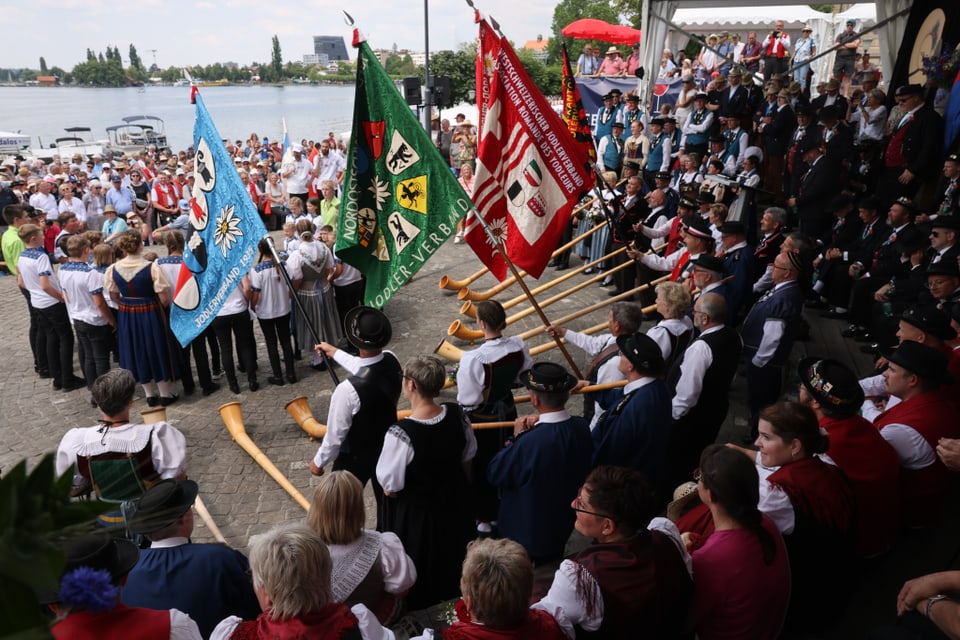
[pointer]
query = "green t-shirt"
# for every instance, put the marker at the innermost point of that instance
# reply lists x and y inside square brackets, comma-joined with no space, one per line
[12,246]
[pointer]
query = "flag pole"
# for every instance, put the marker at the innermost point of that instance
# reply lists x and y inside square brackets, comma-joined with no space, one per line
[523,285]
[296,300]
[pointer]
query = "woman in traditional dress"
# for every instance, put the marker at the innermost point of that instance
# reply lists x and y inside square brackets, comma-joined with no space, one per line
[423,471]
[142,292]
[369,568]
[316,292]
[466,181]
[674,333]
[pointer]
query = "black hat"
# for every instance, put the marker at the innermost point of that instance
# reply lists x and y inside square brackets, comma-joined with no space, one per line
[706,197]
[548,377]
[699,228]
[716,139]
[946,222]
[608,95]
[367,328]
[929,319]
[633,98]
[838,203]
[701,96]
[831,112]
[97,551]
[658,120]
[662,175]
[669,120]
[615,92]
[926,362]
[642,352]
[831,383]
[907,204]
[953,157]
[163,504]
[710,263]
[909,90]
[944,268]
[912,239]
[616,124]
[871,203]
[803,110]
[686,203]
[808,143]
[733,227]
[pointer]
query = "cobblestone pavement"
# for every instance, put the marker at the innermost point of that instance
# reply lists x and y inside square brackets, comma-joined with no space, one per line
[242,499]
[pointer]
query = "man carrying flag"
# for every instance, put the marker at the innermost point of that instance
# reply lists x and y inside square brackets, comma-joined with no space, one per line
[400,201]
[223,235]
[530,172]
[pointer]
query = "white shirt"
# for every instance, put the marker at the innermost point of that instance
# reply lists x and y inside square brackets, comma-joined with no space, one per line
[46,203]
[397,454]
[912,448]
[773,330]
[399,573]
[76,206]
[344,404]
[609,371]
[297,181]
[696,360]
[235,302]
[274,294]
[470,375]
[328,167]
[168,447]
[774,501]
[661,332]
[80,283]
[31,265]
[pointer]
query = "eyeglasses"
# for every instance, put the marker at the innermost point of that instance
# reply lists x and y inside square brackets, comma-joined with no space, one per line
[935,283]
[776,266]
[934,234]
[578,506]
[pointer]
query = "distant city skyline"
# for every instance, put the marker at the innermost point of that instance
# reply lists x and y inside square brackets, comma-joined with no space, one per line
[203,32]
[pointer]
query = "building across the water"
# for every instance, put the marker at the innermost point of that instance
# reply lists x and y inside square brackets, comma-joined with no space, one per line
[333,48]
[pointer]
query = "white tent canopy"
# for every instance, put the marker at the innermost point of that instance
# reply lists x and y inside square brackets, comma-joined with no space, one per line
[741,20]
[656,16]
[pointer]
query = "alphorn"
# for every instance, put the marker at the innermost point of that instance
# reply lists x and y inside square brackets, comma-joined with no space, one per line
[469,309]
[456,285]
[457,329]
[299,410]
[233,419]
[405,413]
[476,296]
[582,312]
[154,415]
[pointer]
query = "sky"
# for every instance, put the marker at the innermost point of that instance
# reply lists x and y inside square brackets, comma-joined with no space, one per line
[207,31]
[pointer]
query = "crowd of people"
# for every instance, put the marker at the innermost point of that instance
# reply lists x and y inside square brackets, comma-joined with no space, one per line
[765,537]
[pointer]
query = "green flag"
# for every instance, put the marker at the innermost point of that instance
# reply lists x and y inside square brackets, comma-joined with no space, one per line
[400,200]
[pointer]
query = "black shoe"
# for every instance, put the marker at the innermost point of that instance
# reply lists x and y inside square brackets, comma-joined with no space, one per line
[833,314]
[189,391]
[587,272]
[321,366]
[562,266]
[275,380]
[853,330]
[166,401]
[213,387]
[871,348]
[253,385]
[234,386]
[292,378]
[241,368]
[42,373]
[57,385]
[153,401]
[73,382]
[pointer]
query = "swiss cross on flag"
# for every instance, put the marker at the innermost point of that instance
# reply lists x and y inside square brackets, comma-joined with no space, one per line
[530,171]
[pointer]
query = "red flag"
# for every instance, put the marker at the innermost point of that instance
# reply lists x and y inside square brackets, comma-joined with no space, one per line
[574,115]
[530,173]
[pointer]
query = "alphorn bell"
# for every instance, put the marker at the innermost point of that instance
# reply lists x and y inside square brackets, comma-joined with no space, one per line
[154,415]
[233,419]
[299,410]
[455,285]
[448,351]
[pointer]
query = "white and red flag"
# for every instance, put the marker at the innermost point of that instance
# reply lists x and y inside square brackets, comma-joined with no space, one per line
[530,171]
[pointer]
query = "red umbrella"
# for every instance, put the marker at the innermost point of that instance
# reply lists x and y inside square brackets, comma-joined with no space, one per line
[593,29]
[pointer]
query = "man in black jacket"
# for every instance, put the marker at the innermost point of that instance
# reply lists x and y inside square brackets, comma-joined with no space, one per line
[817,186]
[914,148]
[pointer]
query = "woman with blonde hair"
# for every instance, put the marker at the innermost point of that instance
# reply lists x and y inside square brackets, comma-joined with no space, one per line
[675,332]
[369,568]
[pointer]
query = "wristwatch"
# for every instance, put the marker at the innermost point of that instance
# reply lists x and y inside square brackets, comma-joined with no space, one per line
[934,600]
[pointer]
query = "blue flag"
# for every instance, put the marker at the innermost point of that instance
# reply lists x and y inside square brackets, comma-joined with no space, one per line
[224,232]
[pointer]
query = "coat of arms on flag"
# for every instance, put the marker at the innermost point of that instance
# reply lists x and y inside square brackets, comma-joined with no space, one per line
[530,170]
[224,232]
[401,201]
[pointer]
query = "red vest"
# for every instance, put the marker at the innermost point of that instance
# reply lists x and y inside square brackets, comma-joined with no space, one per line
[894,154]
[116,623]
[334,622]
[539,624]
[873,468]
[818,491]
[922,490]
[678,268]
[673,239]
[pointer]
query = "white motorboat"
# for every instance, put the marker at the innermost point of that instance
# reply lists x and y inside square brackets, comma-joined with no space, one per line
[136,134]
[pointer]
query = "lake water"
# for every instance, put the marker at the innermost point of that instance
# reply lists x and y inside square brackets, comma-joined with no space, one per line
[310,111]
